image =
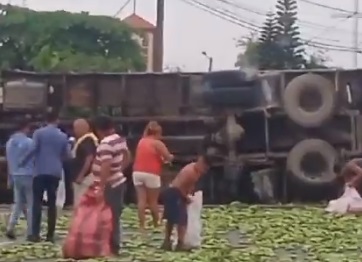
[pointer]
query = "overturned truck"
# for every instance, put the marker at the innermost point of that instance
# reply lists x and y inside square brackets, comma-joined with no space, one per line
[277,135]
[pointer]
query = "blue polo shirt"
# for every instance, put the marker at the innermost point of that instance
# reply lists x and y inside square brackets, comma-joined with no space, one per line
[50,150]
[17,147]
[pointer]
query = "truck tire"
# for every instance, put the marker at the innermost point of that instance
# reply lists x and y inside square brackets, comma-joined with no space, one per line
[309,100]
[311,162]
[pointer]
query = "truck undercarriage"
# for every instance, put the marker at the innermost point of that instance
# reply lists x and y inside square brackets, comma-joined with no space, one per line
[277,135]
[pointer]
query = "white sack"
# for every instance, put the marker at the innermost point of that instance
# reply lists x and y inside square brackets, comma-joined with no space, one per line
[349,201]
[194,224]
[60,193]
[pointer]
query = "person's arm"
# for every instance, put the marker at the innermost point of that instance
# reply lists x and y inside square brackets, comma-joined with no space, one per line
[66,148]
[105,153]
[353,166]
[163,151]
[89,149]
[9,160]
[35,145]
[126,155]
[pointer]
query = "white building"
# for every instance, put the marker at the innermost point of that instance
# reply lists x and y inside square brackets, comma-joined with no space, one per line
[145,36]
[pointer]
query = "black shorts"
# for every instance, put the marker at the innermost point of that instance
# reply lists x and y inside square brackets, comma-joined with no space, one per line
[175,207]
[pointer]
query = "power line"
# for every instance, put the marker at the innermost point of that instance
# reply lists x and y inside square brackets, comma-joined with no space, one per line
[235,20]
[261,13]
[121,8]
[328,29]
[326,6]
[219,14]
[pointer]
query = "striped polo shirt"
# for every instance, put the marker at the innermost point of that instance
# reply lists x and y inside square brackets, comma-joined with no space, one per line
[111,148]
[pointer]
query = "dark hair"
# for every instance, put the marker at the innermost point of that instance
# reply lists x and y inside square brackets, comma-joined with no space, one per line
[52,117]
[22,124]
[103,123]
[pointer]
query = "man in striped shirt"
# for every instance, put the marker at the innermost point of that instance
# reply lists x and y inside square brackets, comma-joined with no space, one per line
[112,157]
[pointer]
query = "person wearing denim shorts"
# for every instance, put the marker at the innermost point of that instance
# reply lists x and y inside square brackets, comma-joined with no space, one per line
[177,197]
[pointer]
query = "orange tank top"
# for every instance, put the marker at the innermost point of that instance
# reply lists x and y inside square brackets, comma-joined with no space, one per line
[147,159]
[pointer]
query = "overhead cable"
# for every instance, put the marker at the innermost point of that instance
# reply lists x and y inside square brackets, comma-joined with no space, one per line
[121,8]
[236,4]
[232,18]
[326,6]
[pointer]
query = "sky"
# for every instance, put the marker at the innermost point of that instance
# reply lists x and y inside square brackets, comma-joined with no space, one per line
[190,31]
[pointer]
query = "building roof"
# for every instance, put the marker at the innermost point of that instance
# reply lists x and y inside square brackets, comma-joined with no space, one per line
[138,22]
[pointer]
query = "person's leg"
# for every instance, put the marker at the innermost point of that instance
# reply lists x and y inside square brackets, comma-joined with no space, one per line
[16,209]
[153,185]
[170,213]
[114,199]
[38,192]
[141,199]
[80,189]
[23,199]
[28,186]
[181,225]
[51,189]
[167,244]
[76,190]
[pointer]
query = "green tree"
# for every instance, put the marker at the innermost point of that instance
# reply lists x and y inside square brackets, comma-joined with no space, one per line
[278,45]
[250,56]
[63,41]
[269,52]
[288,35]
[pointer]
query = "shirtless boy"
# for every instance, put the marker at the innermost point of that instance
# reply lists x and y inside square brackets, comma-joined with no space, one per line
[176,199]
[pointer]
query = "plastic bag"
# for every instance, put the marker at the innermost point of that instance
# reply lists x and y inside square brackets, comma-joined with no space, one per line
[349,201]
[194,224]
[61,194]
[90,230]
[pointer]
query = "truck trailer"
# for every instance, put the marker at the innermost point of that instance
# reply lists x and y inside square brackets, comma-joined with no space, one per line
[276,134]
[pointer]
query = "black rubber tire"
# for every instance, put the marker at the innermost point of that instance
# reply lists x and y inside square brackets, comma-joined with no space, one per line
[307,146]
[229,78]
[294,91]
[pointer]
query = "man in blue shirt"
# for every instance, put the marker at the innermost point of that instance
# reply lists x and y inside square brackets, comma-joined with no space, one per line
[50,150]
[17,147]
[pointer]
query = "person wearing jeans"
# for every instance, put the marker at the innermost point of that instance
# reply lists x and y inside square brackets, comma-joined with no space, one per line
[20,177]
[49,152]
[112,157]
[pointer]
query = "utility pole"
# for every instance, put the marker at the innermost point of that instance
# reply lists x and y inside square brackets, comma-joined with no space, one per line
[356,16]
[134,6]
[158,37]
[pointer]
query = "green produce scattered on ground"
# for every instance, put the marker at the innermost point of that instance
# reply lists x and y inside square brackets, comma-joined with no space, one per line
[231,233]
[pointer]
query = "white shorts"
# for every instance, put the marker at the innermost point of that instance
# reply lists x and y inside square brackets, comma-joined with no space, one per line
[146,179]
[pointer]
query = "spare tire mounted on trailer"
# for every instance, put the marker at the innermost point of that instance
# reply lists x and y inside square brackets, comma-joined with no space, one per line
[311,162]
[309,100]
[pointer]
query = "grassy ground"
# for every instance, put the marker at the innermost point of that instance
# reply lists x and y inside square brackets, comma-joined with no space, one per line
[230,233]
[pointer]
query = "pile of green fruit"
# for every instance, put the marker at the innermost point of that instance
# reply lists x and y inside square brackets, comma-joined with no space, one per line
[230,233]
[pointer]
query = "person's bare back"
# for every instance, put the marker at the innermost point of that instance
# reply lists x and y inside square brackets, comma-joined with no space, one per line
[186,179]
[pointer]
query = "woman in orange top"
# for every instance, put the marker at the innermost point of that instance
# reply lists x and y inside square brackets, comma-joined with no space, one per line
[151,153]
